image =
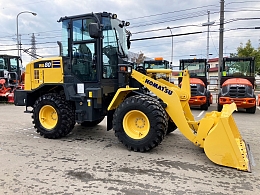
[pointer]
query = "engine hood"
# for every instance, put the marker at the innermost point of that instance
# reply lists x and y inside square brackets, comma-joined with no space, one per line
[237,81]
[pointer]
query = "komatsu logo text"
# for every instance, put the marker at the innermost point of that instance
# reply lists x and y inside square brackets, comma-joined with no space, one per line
[162,88]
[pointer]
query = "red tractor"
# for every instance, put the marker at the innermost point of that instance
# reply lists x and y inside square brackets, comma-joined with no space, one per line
[200,95]
[10,77]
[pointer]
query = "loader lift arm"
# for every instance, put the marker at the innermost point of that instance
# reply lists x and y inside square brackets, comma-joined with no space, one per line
[217,132]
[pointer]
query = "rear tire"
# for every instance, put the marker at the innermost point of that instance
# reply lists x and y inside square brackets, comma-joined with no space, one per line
[92,123]
[140,123]
[251,110]
[52,116]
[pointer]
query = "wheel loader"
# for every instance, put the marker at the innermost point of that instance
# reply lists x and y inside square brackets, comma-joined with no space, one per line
[200,95]
[158,63]
[237,83]
[92,79]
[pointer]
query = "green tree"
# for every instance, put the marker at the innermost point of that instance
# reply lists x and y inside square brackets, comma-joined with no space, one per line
[248,51]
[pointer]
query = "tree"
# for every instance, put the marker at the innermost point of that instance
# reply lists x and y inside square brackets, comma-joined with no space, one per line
[248,51]
[139,59]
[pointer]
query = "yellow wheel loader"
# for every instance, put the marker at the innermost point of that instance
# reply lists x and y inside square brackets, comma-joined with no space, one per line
[92,79]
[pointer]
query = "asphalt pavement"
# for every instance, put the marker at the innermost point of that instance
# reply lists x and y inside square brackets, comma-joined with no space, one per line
[93,161]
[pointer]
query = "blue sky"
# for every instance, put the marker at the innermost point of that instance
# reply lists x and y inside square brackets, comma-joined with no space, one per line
[148,18]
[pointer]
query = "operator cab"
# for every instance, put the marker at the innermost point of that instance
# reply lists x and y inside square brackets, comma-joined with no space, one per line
[95,44]
[10,68]
[197,69]
[238,68]
[157,63]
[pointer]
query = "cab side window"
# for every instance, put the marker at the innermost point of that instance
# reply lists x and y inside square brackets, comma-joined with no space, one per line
[82,64]
[83,51]
[110,57]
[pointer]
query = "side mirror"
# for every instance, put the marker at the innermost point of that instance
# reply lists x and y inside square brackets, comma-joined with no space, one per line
[128,42]
[94,31]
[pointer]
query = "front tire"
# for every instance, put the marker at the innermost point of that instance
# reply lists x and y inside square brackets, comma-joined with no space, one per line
[52,116]
[251,110]
[220,107]
[140,123]
[205,106]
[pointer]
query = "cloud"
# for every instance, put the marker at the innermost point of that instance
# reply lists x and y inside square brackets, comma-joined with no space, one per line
[143,15]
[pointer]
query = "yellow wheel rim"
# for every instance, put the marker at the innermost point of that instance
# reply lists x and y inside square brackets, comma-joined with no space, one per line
[136,124]
[48,117]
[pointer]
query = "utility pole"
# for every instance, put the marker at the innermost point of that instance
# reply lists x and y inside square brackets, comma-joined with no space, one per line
[208,24]
[221,32]
[208,37]
[172,45]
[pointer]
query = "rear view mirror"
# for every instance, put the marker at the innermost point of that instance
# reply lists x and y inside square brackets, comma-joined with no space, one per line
[94,31]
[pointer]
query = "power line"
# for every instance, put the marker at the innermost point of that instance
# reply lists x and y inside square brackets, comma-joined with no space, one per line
[246,28]
[145,31]
[50,42]
[28,48]
[238,2]
[8,49]
[243,10]
[25,34]
[170,20]
[158,37]
[35,2]
[148,16]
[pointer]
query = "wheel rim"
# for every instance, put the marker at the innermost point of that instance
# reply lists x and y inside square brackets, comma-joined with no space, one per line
[48,117]
[136,124]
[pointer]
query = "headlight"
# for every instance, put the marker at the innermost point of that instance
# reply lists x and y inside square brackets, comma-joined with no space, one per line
[250,90]
[224,90]
[201,89]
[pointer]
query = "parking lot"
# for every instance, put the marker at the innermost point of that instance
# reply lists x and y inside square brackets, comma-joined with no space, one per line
[93,161]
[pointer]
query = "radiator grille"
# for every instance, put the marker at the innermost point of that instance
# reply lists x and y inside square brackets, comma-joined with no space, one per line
[194,89]
[237,91]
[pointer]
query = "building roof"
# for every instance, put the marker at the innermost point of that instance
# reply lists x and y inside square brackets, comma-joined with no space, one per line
[213,60]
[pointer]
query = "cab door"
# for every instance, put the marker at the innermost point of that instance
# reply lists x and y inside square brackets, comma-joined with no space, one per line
[84,52]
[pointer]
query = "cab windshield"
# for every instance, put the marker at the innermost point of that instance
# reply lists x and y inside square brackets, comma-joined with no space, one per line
[115,36]
[238,68]
[195,68]
[156,64]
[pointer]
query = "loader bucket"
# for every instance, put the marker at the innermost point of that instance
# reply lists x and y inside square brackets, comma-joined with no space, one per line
[224,145]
